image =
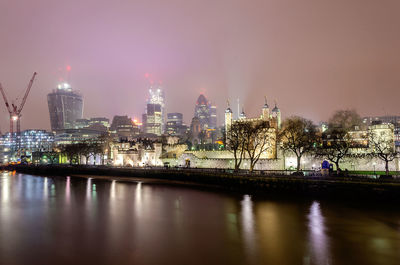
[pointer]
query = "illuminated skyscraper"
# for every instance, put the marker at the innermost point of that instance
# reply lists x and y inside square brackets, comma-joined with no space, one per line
[154,118]
[124,127]
[206,113]
[175,124]
[65,107]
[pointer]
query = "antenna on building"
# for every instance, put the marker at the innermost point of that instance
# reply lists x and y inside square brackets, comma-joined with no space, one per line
[238,109]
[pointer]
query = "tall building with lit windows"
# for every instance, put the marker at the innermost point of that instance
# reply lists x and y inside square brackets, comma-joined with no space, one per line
[65,107]
[205,113]
[154,116]
[30,141]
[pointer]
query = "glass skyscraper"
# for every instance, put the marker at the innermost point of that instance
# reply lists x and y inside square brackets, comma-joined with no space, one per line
[154,118]
[206,113]
[65,107]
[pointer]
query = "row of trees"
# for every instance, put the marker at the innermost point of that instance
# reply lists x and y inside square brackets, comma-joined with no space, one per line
[300,136]
[87,149]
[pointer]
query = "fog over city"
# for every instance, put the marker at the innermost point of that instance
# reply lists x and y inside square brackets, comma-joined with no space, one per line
[311,57]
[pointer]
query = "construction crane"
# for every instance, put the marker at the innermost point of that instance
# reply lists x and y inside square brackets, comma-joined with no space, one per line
[15,111]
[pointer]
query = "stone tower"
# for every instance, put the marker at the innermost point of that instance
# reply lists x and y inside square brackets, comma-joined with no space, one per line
[276,113]
[228,119]
[265,110]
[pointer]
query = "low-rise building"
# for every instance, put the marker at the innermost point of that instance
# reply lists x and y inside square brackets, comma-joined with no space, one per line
[29,141]
[139,153]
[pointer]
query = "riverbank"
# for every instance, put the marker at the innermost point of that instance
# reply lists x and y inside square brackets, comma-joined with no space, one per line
[315,187]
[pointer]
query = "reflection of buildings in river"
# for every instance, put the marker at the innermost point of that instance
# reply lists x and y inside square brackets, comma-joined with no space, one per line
[68,190]
[112,190]
[248,228]
[318,239]
[91,191]
[232,223]
[138,199]
[88,184]
[5,187]
[45,188]
[280,231]
[268,223]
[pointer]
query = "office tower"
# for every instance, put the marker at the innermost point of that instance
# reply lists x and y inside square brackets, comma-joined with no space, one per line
[124,127]
[65,107]
[205,113]
[153,119]
[175,124]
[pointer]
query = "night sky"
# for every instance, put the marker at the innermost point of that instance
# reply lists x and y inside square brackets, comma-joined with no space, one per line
[311,56]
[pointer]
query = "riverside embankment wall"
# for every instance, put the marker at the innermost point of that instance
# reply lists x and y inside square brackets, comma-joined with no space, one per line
[316,187]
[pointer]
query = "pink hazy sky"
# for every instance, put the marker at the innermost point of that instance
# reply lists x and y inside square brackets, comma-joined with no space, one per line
[311,56]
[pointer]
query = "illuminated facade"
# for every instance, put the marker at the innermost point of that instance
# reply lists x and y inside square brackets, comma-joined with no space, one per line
[30,141]
[124,127]
[137,153]
[99,124]
[273,118]
[392,119]
[65,107]
[72,136]
[154,117]
[175,126]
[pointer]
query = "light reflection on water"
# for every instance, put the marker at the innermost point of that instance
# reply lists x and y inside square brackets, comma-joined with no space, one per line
[319,241]
[68,190]
[5,186]
[138,199]
[248,228]
[88,189]
[45,187]
[87,221]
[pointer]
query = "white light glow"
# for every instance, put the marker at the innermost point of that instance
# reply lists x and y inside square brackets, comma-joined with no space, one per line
[318,237]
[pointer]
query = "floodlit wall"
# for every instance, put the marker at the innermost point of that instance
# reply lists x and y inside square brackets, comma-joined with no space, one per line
[224,159]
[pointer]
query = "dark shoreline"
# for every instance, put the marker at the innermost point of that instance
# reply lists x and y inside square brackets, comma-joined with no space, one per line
[292,186]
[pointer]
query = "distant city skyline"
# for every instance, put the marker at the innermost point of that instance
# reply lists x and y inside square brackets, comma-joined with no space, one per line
[312,61]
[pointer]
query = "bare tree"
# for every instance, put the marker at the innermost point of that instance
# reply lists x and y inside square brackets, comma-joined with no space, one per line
[337,140]
[299,136]
[382,146]
[104,141]
[72,152]
[258,138]
[345,120]
[235,142]
[336,148]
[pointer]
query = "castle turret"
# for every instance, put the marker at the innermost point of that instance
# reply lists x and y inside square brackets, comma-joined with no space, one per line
[242,115]
[228,119]
[265,110]
[276,113]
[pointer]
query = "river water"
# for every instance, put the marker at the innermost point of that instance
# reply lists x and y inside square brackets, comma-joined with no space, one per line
[65,220]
